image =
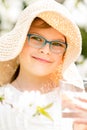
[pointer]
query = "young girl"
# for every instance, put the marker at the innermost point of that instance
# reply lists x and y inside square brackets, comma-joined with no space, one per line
[34,56]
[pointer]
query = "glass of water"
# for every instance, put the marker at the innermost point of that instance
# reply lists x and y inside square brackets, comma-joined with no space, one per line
[69,113]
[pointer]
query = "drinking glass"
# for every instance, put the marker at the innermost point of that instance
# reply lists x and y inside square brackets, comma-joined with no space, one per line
[69,114]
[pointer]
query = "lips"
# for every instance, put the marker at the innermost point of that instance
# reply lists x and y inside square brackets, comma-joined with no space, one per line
[42,59]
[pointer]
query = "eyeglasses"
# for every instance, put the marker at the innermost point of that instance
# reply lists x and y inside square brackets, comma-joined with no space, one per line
[38,41]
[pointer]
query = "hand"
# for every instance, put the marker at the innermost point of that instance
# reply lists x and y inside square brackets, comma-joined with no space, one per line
[77,106]
[80,124]
[76,103]
[83,109]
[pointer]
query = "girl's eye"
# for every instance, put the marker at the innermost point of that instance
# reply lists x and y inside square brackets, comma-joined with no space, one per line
[36,38]
[58,44]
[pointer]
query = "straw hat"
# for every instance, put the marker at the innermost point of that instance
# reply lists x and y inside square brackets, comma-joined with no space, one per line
[54,14]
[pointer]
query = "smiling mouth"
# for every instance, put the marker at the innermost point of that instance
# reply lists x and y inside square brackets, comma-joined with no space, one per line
[42,60]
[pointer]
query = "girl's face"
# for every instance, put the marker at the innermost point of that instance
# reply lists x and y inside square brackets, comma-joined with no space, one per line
[41,61]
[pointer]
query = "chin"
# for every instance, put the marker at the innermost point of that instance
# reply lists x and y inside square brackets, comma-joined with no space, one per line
[41,74]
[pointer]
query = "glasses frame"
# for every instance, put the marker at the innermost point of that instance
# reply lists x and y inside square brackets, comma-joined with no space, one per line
[46,41]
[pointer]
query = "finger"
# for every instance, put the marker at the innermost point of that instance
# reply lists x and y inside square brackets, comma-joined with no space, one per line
[80,105]
[71,115]
[82,99]
[82,108]
[81,121]
[79,126]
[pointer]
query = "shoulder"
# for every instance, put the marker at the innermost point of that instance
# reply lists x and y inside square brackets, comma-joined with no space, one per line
[7,87]
[3,88]
[7,91]
[8,95]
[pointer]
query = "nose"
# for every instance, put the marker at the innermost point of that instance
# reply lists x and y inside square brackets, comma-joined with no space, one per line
[45,49]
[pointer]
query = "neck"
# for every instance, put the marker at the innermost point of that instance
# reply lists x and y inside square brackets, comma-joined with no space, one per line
[31,82]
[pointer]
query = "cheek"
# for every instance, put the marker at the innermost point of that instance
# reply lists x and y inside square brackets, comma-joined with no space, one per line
[59,59]
[24,55]
[58,62]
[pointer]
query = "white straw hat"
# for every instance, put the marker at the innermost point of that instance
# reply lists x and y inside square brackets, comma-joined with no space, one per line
[54,14]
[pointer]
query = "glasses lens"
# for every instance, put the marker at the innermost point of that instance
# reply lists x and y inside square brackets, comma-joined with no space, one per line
[36,41]
[58,47]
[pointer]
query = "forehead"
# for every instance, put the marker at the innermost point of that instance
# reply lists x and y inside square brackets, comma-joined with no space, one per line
[38,25]
[38,22]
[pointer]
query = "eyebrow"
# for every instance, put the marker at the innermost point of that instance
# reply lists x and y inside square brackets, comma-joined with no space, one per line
[50,40]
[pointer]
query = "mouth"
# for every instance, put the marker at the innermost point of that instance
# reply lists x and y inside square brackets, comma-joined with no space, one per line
[41,59]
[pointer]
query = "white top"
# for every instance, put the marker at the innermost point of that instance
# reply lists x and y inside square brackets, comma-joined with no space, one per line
[29,110]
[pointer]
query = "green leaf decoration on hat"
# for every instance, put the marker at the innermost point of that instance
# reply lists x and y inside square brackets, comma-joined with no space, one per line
[42,110]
